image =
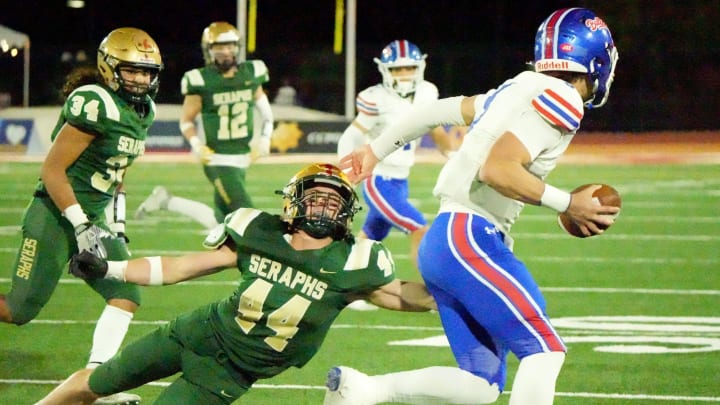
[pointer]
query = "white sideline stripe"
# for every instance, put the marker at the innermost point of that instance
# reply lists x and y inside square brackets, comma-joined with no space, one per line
[545,289]
[638,397]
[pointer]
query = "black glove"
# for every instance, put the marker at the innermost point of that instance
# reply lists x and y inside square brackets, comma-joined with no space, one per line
[87,266]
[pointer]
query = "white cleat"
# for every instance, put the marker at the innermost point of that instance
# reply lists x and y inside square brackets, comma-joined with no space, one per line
[347,386]
[121,398]
[362,305]
[158,200]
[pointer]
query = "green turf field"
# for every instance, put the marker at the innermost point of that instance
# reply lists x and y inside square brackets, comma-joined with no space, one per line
[638,306]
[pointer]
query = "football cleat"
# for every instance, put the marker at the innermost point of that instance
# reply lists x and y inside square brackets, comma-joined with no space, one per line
[158,200]
[121,398]
[347,386]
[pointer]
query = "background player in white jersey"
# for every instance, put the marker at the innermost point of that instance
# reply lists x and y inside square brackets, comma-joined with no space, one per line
[402,66]
[222,98]
[487,299]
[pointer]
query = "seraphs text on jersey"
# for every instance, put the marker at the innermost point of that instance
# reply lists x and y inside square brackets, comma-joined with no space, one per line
[295,279]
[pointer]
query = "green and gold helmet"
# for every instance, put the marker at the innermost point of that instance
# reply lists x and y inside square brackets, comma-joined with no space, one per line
[320,200]
[134,48]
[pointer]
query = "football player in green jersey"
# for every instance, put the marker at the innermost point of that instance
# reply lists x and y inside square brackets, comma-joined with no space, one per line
[224,94]
[100,131]
[299,270]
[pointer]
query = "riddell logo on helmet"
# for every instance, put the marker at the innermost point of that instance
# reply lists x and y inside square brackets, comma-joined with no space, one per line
[595,24]
[552,65]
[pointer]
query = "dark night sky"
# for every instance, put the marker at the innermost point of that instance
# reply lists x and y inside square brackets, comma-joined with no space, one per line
[666,47]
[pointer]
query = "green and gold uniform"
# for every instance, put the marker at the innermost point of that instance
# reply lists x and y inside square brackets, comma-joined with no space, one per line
[227,123]
[48,239]
[277,318]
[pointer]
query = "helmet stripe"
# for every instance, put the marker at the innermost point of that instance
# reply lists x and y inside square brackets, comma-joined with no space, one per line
[403,49]
[550,33]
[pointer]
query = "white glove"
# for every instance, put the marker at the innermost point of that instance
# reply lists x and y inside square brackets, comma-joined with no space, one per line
[259,147]
[89,238]
[203,152]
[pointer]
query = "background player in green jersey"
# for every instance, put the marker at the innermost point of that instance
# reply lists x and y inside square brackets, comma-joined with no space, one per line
[100,131]
[224,94]
[298,272]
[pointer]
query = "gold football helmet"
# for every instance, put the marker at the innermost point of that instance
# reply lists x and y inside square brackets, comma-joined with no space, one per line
[221,32]
[320,214]
[129,47]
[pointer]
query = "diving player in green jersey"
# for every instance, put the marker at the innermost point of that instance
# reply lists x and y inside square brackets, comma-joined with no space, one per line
[299,270]
[224,94]
[100,131]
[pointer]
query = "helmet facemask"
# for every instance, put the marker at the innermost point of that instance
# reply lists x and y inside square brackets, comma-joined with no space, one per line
[220,56]
[136,92]
[602,78]
[321,202]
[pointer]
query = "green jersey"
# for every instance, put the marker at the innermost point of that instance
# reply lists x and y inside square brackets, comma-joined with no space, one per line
[120,134]
[227,104]
[287,299]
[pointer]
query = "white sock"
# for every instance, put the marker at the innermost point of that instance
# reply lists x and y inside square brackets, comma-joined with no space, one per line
[196,210]
[110,331]
[535,379]
[434,385]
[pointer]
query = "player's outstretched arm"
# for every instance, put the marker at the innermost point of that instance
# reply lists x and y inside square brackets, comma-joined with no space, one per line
[156,270]
[400,295]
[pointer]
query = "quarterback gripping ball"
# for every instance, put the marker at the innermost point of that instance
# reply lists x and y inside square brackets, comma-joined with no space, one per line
[605,195]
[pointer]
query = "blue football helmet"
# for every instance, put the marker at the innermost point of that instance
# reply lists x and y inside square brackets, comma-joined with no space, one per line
[577,40]
[401,53]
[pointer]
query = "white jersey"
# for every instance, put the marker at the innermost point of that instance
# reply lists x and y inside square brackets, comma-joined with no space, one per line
[377,108]
[541,111]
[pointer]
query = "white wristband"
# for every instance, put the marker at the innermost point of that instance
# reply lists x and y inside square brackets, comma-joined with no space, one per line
[116,270]
[555,198]
[185,125]
[75,215]
[156,271]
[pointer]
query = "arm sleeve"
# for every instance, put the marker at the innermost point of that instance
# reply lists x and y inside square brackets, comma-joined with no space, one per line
[266,115]
[416,122]
[350,140]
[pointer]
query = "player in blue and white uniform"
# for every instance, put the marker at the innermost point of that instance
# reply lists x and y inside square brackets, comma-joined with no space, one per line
[487,299]
[402,66]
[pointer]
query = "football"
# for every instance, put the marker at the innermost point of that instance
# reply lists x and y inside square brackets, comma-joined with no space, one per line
[605,195]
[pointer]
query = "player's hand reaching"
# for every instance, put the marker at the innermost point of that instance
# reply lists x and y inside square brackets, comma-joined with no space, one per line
[89,239]
[359,164]
[87,266]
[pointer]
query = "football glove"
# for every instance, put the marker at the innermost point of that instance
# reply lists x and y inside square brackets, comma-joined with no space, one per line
[87,266]
[201,151]
[259,147]
[89,238]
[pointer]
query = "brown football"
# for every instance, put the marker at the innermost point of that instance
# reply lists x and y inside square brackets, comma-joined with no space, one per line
[605,195]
